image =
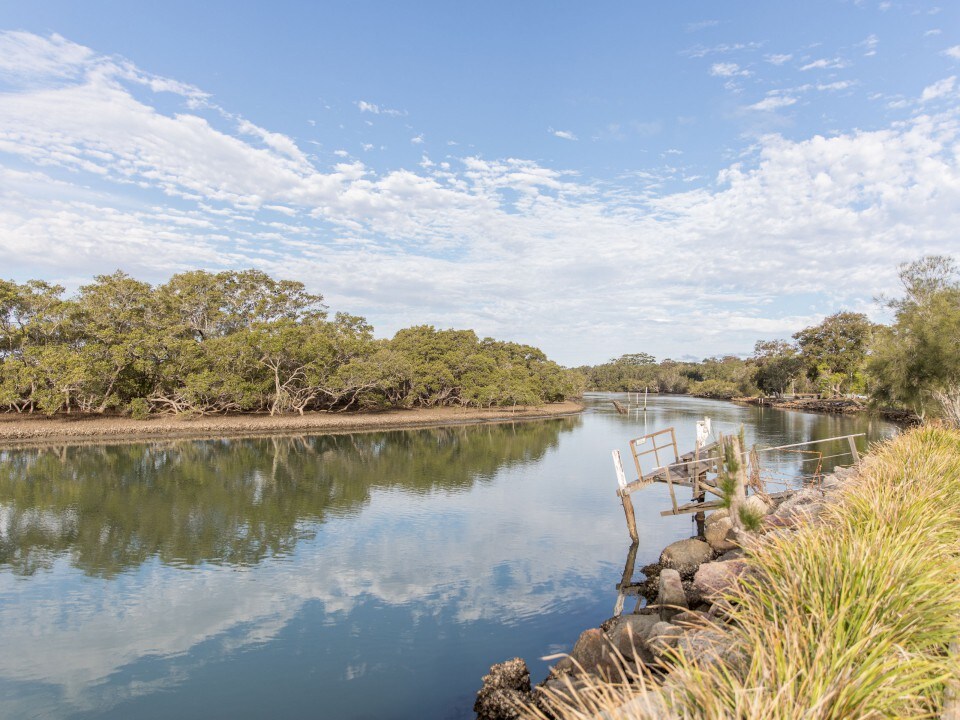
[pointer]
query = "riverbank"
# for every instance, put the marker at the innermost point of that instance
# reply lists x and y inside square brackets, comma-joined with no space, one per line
[20,430]
[844,604]
[839,405]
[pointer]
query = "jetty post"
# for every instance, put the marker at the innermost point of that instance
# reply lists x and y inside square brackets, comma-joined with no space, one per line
[625,497]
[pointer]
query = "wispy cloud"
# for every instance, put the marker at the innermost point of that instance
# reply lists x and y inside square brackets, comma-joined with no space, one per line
[869,45]
[563,134]
[774,101]
[470,241]
[939,89]
[699,51]
[702,25]
[368,107]
[778,59]
[953,52]
[728,69]
[825,64]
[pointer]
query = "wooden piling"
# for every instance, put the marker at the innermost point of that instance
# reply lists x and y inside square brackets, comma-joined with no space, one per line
[853,449]
[625,497]
[739,496]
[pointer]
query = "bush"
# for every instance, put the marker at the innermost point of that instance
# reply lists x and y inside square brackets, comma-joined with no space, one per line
[139,408]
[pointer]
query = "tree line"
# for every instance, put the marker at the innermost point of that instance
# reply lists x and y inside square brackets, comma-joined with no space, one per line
[912,363]
[241,341]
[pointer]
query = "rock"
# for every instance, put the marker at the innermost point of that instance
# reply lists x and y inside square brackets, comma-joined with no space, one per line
[705,645]
[504,690]
[718,535]
[694,596]
[755,505]
[663,636]
[689,618]
[629,636]
[786,521]
[593,653]
[685,556]
[716,516]
[731,555]
[671,597]
[715,578]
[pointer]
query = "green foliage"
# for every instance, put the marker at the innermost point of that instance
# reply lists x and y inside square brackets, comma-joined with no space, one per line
[778,365]
[919,355]
[750,520]
[139,408]
[834,352]
[239,342]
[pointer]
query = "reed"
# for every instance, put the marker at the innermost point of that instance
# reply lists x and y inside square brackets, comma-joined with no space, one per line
[848,617]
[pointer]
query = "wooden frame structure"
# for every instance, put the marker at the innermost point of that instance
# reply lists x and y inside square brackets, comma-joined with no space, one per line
[688,470]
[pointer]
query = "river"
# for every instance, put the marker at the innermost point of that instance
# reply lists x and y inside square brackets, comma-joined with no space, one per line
[373,575]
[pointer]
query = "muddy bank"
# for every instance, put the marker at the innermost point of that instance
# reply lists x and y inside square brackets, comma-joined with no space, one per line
[19,430]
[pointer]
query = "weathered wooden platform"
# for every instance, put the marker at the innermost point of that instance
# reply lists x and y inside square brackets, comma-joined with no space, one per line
[697,469]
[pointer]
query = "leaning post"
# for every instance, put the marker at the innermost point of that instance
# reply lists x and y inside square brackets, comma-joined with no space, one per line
[625,497]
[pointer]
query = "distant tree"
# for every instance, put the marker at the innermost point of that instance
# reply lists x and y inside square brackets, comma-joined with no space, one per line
[835,351]
[778,364]
[919,355]
[636,359]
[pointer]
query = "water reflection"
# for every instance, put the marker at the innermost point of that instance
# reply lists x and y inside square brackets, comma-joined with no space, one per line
[230,501]
[374,575]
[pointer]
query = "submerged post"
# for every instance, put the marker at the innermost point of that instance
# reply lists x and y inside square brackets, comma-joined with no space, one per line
[625,497]
[853,449]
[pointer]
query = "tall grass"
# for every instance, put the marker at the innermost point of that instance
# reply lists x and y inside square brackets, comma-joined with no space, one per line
[851,617]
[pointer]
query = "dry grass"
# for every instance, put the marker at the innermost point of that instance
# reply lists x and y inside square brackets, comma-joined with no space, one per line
[850,618]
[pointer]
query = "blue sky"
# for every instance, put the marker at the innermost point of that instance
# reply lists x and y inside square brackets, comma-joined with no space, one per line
[676,178]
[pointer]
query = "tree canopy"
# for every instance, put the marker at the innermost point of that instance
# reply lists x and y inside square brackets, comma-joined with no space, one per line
[238,342]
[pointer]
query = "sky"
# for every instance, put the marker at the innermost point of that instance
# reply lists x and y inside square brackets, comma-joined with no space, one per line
[681,179]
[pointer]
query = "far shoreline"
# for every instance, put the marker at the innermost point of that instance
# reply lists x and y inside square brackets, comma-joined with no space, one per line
[37,430]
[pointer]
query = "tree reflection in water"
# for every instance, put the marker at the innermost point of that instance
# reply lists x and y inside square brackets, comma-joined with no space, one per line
[110,508]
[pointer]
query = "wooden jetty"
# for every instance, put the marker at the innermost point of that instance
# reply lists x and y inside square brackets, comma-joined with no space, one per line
[697,469]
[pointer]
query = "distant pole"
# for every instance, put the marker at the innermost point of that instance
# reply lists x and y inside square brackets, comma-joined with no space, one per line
[644,398]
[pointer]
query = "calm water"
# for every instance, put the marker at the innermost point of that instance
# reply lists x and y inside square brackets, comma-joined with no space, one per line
[375,575]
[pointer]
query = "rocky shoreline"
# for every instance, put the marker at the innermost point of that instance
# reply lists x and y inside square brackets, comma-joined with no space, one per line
[684,594]
[837,405]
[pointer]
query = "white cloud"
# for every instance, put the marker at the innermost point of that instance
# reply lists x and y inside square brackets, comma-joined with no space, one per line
[728,70]
[869,45]
[563,134]
[940,89]
[778,59]
[417,140]
[774,101]
[702,25]
[721,49]
[953,52]
[825,64]
[839,85]
[470,242]
[368,107]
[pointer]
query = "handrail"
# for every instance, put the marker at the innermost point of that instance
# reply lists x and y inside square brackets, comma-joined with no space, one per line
[761,449]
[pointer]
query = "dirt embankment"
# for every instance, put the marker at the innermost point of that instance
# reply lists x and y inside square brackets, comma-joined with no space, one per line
[18,430]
